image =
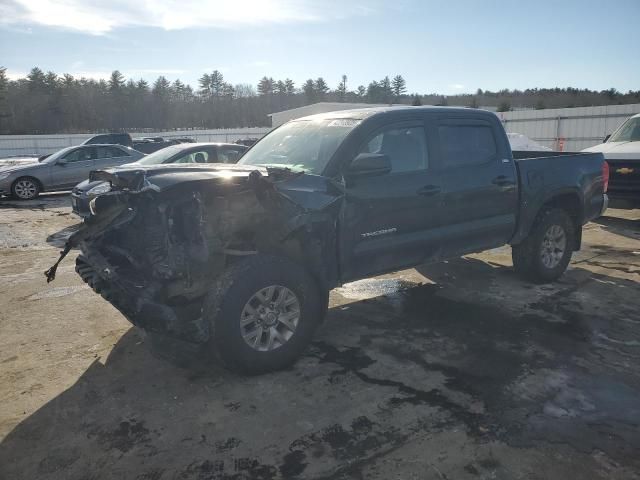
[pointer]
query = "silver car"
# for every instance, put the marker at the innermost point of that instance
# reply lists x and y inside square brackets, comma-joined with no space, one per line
[62,170]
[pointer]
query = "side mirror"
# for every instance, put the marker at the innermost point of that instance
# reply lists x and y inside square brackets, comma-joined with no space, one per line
[606,138]
[369,164]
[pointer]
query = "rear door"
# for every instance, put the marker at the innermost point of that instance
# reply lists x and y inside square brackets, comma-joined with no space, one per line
[479,185]
[111,156]
[73,168]
[387,220]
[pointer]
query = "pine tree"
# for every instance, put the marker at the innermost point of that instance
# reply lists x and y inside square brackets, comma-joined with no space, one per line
[321,88]
[399,86]
[216,83]
[116,81]
[309,90]
[265,86]
[290,87]
[205,85]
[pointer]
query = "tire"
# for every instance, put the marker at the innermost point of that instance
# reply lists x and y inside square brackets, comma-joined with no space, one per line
[265,292]
[546,252]
[25,188]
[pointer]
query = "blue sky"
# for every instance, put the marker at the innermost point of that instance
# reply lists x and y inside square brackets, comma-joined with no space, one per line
[447,47]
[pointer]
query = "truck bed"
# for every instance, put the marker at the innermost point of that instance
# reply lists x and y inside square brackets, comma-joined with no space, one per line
[546,174]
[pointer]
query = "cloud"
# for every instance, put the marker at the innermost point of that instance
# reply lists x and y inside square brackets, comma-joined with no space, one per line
[98,17]
[456,86]
[15,74]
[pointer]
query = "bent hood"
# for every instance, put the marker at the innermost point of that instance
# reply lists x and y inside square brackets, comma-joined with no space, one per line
[617,150]
[162,177]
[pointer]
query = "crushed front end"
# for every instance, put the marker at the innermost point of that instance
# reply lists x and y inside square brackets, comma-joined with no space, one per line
[156,244]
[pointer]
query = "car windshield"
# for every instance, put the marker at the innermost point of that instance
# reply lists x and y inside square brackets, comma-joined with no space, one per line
[301,145]
[628,132]
[161,156]
[55,156]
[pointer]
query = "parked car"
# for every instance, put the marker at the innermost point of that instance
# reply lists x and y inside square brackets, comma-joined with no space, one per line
[151,144]
[110,139]
[62,170]
[240,258]
[622,151]
[247,142]
[184,153]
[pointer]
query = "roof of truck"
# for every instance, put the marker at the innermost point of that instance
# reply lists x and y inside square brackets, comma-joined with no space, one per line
[362,113]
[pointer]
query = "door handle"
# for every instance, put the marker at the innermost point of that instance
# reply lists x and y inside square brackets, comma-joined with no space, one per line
[429,190]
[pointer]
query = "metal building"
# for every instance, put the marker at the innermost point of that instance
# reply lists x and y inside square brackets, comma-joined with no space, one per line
[568,129]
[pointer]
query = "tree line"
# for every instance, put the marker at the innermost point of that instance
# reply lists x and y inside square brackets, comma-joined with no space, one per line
[45,102]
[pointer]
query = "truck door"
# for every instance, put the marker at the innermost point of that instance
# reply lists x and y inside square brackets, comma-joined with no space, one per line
[479,186]
[386,219]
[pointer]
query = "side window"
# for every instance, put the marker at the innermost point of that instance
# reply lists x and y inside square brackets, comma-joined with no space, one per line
[105,152]
[79,155]
[466,145]
[229,154]
[199,156]
[118,152]
[406,147]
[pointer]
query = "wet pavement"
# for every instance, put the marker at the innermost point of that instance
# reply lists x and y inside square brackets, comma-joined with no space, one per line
[458,370]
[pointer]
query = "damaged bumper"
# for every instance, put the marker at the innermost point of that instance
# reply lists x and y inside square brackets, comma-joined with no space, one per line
[156,244]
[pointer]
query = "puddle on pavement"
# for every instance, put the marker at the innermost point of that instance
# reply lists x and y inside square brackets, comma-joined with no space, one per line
[57,292]
[375,287]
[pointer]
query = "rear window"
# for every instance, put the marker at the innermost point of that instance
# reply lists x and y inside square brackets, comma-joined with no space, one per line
[466,144]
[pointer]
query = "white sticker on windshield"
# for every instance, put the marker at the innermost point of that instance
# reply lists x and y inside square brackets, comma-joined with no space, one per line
[344,122]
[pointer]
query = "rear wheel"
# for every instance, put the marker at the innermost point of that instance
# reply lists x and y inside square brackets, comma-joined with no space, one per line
[262,314]
[545,254]
[25,188]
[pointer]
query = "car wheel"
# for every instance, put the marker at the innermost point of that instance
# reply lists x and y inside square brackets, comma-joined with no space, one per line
[262,314]
[25,188]
[545,254]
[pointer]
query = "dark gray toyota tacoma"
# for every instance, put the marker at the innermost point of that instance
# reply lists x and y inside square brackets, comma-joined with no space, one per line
[241,258]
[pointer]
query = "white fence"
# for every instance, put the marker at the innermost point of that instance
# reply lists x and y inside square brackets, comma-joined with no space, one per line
[568,129]
[14,145]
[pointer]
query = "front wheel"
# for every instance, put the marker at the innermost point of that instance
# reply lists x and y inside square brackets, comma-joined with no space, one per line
[25,188]
[545,254]
[262,314]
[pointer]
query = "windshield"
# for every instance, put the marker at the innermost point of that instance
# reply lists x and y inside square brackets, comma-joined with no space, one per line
[628,132]
[55,156]
[302,145]
[160,156]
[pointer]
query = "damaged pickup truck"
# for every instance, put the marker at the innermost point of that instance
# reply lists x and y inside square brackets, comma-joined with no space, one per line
[240,258]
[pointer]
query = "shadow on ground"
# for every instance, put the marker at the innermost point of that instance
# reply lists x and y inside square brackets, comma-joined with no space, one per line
[549,373]
[626,227]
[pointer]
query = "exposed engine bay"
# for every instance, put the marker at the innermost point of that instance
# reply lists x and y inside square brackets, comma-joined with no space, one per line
[156,244]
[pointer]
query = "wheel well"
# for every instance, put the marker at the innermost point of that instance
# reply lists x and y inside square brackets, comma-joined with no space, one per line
[40,186]
[570,203]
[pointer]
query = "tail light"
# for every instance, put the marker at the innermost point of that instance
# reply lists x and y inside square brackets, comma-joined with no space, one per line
[605,175]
